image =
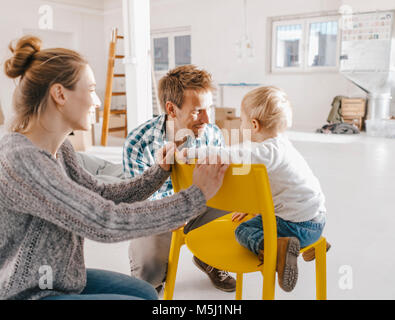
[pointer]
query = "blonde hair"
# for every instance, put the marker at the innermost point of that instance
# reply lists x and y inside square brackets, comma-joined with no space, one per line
[270,106]
[173,85]
[38,70]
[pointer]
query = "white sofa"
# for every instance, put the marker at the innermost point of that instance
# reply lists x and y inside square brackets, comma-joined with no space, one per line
[106,165]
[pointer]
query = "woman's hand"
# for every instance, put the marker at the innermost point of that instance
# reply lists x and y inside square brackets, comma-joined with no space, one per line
[165,156]
[209,177]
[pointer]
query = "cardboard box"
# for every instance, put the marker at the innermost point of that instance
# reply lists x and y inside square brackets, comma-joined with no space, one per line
[226,120]
[353,111]
[224,113]
[118,134]
[115,121]
[228,124]
[81,140]
[353,107]
[358,122]
[231,130]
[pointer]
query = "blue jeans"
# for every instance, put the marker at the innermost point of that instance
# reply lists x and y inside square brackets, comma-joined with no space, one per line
[250,233]
[108,285]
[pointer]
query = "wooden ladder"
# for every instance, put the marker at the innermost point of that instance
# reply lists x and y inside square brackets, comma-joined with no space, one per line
[112,56]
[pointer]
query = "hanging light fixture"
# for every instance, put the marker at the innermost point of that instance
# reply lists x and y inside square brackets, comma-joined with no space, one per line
[245,46]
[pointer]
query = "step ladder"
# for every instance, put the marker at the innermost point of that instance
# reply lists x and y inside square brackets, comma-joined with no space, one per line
[112,56]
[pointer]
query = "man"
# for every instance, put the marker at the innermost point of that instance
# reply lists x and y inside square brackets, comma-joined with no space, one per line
[185,93]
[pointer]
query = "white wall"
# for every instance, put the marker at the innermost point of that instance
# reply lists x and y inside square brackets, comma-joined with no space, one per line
[113,19]
[217,25]
[136,17]
[86,24]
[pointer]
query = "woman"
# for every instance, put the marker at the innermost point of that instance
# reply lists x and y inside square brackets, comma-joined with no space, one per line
[49,204]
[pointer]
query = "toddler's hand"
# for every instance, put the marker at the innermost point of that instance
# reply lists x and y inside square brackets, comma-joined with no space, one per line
[238,216]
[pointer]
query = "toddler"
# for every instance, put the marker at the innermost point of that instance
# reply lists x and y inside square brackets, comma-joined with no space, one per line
[297,196]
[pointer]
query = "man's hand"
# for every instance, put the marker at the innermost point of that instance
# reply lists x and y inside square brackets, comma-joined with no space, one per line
[165,156]
[182,156]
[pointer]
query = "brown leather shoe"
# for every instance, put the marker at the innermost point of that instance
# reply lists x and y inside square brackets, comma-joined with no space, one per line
[287,262]
[220,279]
[309,255]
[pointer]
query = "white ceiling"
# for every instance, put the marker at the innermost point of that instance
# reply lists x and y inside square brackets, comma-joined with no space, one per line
[91,4]
[100,4]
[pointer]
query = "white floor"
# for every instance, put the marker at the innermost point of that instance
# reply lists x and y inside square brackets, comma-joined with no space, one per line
[357,175]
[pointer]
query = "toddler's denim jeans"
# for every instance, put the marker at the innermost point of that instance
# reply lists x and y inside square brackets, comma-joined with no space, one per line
[250,233]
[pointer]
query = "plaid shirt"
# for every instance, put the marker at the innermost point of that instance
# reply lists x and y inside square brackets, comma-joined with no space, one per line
[143,142]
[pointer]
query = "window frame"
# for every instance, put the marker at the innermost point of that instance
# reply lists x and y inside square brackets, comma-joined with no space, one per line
[170,34]
[153,52]
[276,24]
[305,44]
[338,44]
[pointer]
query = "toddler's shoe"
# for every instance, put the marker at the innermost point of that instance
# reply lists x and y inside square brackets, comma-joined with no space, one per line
[287,262]
[309,255]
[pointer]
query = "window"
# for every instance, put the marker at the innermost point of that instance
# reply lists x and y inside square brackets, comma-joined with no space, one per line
[309,44]
[322,44]
[289,38]
[182,48]
[161,54]
[171,49]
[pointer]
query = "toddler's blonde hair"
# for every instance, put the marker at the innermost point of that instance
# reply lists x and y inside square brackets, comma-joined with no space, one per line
[270,106]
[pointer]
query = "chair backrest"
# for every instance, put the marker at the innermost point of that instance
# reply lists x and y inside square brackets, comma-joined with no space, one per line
[248,193]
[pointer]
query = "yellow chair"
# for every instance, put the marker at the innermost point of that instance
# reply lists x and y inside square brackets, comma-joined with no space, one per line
[215,242]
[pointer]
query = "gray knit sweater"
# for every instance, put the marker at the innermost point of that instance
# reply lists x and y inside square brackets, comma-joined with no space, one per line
[48,206]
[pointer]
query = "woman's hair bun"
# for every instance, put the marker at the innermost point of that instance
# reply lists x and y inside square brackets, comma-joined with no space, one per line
[23,53]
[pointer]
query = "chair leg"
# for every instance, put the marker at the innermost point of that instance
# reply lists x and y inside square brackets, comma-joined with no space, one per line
[177,241]
[268,286]
[239,286]
[269,276]
[320,270]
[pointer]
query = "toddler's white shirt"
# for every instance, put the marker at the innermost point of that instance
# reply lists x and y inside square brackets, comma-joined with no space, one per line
[296,192]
